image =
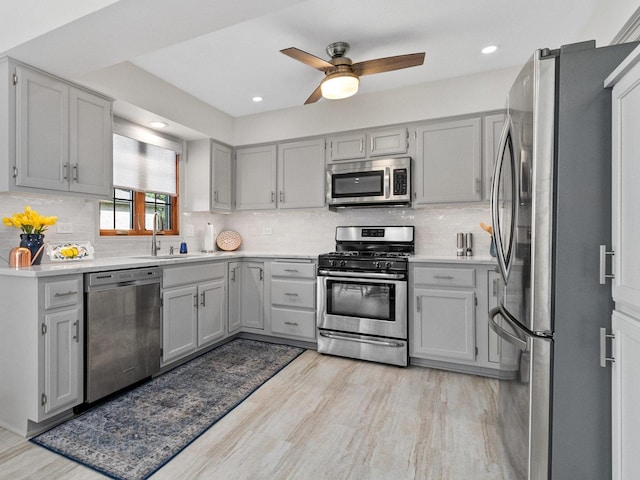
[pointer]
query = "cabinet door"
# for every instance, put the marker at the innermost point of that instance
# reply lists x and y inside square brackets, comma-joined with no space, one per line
[179,322]
[256,178]
[90,144]
[198,176]
[212,311]
[235,297]
[492,129]
[625,397]
[444,325]
[221,169]
[301,174]
[494,340]
[448,162]
[63,387]
[347,147]
[390,141]
[626,194]
[42,131]
[252,281]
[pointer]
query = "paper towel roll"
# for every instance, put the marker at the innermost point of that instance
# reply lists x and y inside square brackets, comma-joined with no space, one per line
[209,238]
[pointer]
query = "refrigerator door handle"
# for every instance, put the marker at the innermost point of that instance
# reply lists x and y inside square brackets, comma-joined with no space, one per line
[504,142]
[501,332]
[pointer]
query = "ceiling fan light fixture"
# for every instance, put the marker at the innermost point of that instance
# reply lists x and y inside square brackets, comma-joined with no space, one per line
[339,85]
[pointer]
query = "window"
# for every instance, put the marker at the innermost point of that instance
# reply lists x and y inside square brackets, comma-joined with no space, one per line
[145,176]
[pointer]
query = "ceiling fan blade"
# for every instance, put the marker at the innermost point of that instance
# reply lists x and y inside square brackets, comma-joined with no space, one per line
[315,96]
[388,64]
[307,58]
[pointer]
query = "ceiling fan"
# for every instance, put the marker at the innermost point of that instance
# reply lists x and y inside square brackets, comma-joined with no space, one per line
[342,76]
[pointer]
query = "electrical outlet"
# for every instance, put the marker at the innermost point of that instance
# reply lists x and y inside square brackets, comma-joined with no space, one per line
[64,227]
[189,230]
[266,230]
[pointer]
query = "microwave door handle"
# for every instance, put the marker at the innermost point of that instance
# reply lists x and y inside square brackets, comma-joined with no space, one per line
[495,186]
[387,182]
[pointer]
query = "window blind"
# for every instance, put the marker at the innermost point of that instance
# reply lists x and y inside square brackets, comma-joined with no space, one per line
[143,167]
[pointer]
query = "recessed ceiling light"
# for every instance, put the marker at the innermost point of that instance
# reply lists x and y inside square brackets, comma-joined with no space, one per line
[158,124]
[489,49]
[257,99]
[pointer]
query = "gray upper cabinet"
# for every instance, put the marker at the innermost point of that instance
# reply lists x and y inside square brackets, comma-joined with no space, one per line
[448,163]
[290,175]
[256,178]
[222,171]
[388,141]
[492,129]
[372,143]
[63,135]
[301,174]
[208,177]
[347,147]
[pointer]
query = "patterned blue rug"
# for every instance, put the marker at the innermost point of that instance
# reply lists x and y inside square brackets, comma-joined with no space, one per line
[133,435]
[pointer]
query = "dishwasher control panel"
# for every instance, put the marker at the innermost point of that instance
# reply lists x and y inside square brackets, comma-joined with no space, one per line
[116,277]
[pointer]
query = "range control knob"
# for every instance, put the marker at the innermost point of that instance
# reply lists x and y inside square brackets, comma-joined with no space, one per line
[343,263]
[376,264]
[332,263]
[387,265]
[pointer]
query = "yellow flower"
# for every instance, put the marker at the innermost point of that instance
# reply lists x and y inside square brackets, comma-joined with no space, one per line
[30,221]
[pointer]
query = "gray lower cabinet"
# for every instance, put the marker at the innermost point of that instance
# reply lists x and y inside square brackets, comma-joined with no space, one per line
[42,345]
[293,294]
[246,296]
[448,321]
[194,308]
[448,162]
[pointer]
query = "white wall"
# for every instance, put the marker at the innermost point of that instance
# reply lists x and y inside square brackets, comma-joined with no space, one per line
[469,94]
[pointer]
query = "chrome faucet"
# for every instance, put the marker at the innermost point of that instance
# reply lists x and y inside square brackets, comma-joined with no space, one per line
[157,225]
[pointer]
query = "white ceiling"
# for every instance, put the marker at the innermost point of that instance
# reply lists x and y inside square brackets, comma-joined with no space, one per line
[224,53]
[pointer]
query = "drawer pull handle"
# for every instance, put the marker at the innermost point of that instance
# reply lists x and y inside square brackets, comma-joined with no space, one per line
[291,294]
[291,270]
[66,294]
[295,324]
[443,277]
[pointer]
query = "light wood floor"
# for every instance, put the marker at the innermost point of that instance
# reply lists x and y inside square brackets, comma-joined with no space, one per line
[327,417]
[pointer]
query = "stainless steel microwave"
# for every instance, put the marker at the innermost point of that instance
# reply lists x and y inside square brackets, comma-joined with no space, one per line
[369,183]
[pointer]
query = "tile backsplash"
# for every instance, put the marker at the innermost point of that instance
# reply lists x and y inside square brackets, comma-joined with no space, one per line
[268,231]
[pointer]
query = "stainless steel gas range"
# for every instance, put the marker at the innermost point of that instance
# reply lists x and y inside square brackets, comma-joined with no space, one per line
[362,294]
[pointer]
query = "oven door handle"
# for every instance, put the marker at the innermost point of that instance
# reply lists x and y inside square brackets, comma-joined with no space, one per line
[356,338]
[363,275]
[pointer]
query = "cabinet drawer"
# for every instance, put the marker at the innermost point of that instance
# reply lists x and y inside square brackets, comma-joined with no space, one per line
[293,270]
[451,277]
[293,293]
[172,276]
[59,294]
[296,323]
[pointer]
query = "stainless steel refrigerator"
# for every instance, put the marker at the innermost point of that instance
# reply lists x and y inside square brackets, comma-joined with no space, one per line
[551,209]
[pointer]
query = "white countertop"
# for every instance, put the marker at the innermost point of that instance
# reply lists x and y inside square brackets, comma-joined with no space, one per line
[113,263]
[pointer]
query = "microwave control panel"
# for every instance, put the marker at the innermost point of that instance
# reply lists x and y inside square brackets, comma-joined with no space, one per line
[400,181]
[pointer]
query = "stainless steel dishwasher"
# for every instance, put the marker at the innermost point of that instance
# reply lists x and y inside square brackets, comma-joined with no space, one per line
[122,321]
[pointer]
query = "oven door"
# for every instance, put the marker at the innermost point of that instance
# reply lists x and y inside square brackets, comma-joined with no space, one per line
[369,304]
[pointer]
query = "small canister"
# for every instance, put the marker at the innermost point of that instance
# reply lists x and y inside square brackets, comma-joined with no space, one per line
[468,240]
[183,247]
[19,257]
[461,247]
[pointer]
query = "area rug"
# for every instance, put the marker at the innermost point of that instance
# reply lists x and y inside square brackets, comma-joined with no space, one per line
[133,435]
